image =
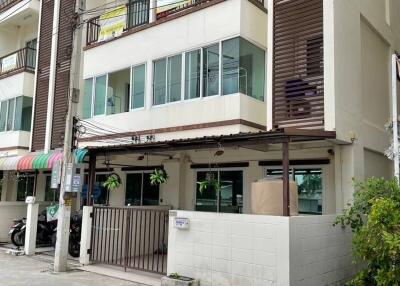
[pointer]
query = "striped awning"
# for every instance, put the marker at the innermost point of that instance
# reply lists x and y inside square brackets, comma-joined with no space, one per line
[80,155]
[30,161]
[9,163]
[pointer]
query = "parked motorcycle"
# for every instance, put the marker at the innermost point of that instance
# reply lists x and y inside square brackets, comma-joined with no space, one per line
[74,245]
[45,230]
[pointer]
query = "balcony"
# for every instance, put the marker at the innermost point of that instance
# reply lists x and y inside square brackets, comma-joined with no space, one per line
[6,4]
[23,60]
[137,15]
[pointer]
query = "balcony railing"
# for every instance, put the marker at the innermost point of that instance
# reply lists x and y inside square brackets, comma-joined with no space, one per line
[7,4]
[19,61]
[138,14]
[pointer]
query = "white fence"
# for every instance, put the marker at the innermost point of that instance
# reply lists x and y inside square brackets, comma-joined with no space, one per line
[252,250]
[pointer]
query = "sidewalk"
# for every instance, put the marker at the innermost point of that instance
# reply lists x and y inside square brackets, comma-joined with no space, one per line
[38,271]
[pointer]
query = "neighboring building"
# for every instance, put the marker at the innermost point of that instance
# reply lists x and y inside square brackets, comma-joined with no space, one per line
[18,46]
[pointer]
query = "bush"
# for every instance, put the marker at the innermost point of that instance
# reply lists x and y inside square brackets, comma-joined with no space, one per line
[374,218]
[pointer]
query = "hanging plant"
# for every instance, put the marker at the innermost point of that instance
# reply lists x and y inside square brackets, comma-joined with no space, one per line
[158,177]
[209,182]
[112,182]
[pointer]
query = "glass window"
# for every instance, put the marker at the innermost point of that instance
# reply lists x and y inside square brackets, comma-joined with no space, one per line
[174,78]
[50,195]
[118,92]
[101,197]
[243,68]
[87,98]
[10,114]
[139,191]
[252,70]
[3,115]
[100,95]
[159,81]
[192,74]
[25,187]
[309,184]
[138,88]
[309,187]
[23,113]
[230,196]
[211,70]
[230,66]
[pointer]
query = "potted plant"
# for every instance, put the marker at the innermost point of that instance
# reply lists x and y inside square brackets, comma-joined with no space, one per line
[209,182]
[158,177]
[112,182]
[174,279]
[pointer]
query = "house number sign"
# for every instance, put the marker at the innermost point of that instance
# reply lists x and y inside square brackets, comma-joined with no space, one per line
[181,223]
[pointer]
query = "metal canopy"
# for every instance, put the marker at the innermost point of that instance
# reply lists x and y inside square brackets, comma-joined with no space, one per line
[245,139]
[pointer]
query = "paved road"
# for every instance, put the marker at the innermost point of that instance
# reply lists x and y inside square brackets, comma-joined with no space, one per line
[35,271]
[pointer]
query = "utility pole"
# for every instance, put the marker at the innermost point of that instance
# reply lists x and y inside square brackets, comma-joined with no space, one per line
[395,117]
[64,212]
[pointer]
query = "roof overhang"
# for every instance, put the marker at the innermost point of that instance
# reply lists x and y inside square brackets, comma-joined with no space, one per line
[243,139]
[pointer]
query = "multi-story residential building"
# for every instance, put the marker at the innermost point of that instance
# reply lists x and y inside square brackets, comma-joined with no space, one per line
[18,45]
[193,85]
[229,90]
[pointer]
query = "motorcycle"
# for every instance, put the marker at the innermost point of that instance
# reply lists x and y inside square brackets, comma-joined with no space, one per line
[45,230]
[74,244]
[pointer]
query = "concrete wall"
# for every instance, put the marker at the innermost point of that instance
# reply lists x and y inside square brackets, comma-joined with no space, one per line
[231,249]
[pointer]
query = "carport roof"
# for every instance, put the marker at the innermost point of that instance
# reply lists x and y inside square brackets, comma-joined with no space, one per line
[244,139]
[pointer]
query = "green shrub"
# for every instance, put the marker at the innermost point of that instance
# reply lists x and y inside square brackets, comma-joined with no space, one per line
[374,218]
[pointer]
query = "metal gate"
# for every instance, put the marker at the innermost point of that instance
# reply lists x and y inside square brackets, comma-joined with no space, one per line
[130,237]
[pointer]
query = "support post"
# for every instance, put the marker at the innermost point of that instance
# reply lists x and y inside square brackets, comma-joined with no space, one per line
[92,178]
[84,257]
[153,12]
[395,118]
[31,229]
[285,173]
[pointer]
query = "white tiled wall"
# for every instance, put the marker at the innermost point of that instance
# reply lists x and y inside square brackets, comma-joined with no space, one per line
[251,250]
[320,253]
[230,249]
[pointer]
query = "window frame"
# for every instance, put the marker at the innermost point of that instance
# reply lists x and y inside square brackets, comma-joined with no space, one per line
[132,109]
[218,170]
[142,172]
[292,168]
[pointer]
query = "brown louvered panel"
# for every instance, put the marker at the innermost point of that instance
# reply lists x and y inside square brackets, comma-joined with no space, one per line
[64,50]
[298,79]
[42,83]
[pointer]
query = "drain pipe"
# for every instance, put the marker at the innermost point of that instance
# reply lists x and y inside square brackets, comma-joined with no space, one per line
[395,117]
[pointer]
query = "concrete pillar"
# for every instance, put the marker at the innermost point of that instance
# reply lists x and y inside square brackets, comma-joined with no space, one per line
[169,192]
[60,261]
[3,197]
[86,234]
[31,229]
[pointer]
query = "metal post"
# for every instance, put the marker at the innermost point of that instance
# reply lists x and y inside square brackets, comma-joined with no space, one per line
[285,173]
[394,117]
[92,179]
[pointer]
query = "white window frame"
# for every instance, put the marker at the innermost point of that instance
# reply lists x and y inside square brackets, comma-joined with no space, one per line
[131,87]
[291,177]
[219,169]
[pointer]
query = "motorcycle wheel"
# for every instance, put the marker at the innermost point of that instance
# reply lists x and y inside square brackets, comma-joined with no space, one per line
[18,237]
[74,248]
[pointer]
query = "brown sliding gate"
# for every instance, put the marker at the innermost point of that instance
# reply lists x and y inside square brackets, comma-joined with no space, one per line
[130,237]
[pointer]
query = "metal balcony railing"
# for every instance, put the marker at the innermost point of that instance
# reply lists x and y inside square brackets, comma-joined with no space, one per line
[19,61]
[6,4]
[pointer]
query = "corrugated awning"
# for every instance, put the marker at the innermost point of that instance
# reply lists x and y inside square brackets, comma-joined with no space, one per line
[30,161]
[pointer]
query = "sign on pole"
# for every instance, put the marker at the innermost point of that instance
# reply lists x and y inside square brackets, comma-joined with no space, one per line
[52,213]
[55,175]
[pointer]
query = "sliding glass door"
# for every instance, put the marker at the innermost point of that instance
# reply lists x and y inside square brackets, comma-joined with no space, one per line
[139,191]
[229,197]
